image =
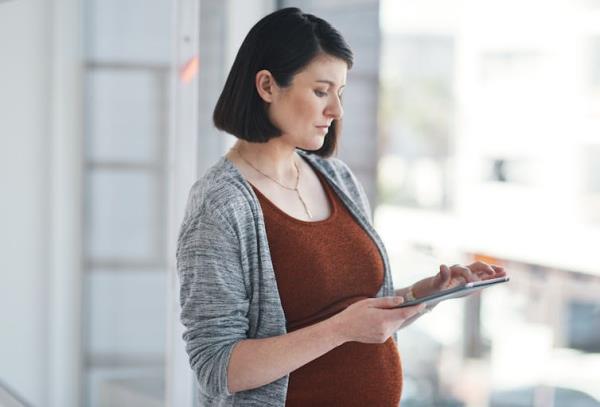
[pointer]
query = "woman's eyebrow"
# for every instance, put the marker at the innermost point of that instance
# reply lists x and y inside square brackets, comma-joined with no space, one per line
[329,82]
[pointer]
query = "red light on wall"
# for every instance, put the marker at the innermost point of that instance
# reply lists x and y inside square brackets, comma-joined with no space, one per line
[189,70]
[487,259]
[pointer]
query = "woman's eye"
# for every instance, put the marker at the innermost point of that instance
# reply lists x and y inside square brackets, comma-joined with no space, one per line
[320,94]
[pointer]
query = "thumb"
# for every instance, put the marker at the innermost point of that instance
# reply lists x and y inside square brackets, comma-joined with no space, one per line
[387,302]
[444,274]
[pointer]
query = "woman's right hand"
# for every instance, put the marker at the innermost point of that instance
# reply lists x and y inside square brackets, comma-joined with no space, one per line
[255,362]
[373,320]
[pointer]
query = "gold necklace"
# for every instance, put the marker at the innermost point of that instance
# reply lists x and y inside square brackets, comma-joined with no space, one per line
[284,186]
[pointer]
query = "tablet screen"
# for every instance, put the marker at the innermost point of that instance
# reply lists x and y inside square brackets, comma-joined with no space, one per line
[456,292]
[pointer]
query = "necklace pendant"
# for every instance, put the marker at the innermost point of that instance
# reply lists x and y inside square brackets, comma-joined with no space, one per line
[304,204]
[308,213]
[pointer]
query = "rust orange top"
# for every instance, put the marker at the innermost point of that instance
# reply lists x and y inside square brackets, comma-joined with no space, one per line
[321,268]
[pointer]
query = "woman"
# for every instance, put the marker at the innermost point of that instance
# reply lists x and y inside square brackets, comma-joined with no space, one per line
[286,288]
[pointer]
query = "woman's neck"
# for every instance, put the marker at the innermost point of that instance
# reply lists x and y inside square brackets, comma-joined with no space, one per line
[273,159]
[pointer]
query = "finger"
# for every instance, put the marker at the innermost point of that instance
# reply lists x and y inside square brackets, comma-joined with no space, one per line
[386,302]
[499,270]
[444,274]
[463,272]
[497,274]
[482,268]
[405,312]
[471,276]
[485,273]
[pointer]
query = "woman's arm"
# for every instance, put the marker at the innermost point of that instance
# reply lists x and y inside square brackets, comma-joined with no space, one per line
[256,362]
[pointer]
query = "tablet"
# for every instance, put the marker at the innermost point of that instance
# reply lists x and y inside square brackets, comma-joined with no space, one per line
[456,292]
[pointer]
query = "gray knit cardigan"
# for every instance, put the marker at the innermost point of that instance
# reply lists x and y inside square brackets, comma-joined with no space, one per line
[228,290]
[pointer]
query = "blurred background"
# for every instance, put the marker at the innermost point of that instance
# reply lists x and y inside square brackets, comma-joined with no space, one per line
[473,125]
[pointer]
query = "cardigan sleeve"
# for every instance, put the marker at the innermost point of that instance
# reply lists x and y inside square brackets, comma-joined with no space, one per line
[213,298]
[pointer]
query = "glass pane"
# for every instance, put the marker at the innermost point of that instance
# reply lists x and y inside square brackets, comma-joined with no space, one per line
[123,116]
[132,30]
[594,67]
[593,77]
[126,314]
[591,168]
[417,110]
[122,215]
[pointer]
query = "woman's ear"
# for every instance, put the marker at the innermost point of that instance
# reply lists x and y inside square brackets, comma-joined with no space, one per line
[265,85]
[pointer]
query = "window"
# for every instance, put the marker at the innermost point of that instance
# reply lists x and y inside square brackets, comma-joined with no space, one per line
[125,260]
[417,112]
[583,326]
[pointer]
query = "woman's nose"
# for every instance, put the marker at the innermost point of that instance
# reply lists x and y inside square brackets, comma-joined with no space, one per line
[335,108]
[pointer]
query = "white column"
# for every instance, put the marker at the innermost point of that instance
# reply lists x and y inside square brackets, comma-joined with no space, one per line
[65,377]
[182,172]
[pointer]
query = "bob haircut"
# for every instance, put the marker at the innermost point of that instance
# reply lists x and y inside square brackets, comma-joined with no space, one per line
[283,42]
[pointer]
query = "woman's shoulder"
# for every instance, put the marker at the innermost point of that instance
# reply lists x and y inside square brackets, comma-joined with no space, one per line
[221,190]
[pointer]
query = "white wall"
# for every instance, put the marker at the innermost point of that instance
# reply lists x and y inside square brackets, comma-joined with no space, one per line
[24,208]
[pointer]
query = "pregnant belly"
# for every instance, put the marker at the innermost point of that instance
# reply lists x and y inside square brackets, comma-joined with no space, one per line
[353,374]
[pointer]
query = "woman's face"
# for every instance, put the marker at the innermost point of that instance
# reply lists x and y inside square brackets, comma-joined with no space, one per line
[304,110]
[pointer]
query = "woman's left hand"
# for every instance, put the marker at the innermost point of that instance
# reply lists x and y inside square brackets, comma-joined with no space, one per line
[449,277]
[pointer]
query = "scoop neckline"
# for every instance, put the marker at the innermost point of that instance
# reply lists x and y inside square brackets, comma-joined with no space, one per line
[322,179]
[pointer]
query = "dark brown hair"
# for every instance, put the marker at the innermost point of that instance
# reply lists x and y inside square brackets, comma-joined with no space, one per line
[283,42]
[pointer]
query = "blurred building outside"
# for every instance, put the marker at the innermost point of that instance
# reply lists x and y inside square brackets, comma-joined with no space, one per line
[489,149]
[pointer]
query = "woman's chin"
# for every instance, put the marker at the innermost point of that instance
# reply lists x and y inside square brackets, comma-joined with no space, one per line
[314,145]
[307,148]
